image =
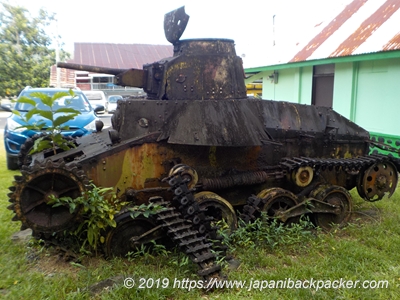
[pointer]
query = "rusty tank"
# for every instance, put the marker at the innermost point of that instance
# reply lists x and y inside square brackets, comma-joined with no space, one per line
[199,146]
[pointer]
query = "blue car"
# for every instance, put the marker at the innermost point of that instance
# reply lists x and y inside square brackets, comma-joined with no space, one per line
[14,137]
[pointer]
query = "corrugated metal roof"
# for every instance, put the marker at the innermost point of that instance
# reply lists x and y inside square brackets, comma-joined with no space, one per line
[393,44]
[123,56]
[364,26]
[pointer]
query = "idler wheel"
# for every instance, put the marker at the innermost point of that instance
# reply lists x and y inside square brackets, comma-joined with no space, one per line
[377,181]
[218,208]
[337,196]
[33,191]
[125,237]
[276,201]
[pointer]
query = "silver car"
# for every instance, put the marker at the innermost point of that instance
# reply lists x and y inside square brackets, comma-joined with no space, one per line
[111,104]
[96,98]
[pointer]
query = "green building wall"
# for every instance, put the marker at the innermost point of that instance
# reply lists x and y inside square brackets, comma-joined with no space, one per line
[294,85]
[372,87]
[377,98]
[343,90]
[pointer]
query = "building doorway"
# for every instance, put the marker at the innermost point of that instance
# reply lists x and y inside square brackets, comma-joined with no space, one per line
[322,89]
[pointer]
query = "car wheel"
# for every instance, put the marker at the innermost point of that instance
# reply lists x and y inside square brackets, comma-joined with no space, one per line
[12,163]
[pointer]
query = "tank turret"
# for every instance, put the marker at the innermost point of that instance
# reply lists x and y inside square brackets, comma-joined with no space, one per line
[200,69]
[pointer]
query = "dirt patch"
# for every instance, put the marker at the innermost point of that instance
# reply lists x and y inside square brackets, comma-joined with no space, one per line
[366,216]
[54,261]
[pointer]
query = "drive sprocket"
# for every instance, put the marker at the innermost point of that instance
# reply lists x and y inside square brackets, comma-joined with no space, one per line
[32,191]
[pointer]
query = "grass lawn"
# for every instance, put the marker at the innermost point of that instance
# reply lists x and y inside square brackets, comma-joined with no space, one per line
[368,249]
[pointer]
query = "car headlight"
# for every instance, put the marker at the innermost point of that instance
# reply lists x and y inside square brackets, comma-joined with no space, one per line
[91,126]
[14,126]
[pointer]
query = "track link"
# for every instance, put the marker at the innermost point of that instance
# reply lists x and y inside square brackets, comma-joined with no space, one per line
[186,224]
[183,233]
[349,164]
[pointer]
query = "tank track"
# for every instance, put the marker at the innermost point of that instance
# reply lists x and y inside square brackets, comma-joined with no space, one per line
[348,164]
[252,209]
[186,224]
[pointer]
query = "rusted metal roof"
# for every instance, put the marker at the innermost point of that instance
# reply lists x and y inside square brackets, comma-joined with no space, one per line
[393,44]
[364,26]
[121,56]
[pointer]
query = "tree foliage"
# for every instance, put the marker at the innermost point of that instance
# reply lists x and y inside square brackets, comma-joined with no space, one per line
[25,53]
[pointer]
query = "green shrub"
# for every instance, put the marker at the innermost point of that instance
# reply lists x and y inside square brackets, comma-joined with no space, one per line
[98,207]
[54,138]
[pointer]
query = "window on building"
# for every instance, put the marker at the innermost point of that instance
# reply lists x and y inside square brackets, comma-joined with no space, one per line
[101,82]
[102,79]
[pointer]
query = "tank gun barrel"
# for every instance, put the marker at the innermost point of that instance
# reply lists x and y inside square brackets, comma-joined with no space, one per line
[112,71]
[123,77]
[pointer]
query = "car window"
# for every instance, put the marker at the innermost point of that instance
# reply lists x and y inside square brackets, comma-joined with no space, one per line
[94,96]
[114,99]
[78,102]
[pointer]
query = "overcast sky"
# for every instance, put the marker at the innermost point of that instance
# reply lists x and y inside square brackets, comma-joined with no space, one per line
[250,23]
